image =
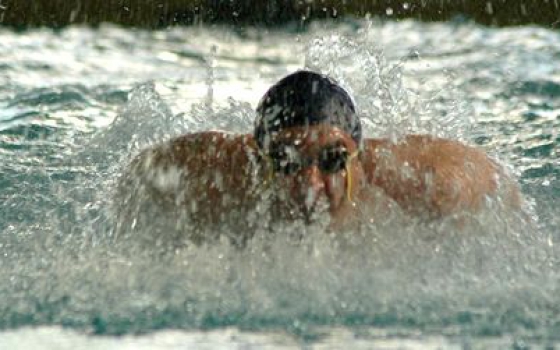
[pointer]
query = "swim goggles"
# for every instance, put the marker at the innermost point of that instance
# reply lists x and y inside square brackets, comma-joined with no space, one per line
[285,160]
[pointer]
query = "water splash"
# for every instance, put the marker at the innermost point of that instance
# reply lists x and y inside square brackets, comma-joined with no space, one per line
[210,61]
[61,264]
[419,276]
[388,108]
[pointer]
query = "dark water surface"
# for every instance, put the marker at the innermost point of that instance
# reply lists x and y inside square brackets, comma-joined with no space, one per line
[76,104]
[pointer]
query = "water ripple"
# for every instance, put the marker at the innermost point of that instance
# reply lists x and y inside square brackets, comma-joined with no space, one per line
[68,124]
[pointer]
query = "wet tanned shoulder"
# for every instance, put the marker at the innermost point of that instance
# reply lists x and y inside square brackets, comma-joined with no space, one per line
[428,174]
[218,161]
[211,169]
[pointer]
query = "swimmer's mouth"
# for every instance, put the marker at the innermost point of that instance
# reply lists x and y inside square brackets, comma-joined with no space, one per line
[296,211]
[312,212]
[308,209]
[308,215]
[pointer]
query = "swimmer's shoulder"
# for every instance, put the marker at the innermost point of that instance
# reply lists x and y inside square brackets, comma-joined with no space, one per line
[211,144]
[454,174]
[426,153]
[196,159]
[425,148]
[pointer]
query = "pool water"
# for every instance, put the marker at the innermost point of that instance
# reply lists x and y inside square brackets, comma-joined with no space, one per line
[76,104]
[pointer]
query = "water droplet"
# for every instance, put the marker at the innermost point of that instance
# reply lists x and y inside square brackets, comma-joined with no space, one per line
[489,8]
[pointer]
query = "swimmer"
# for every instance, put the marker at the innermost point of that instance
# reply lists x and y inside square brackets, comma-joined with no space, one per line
[307,155]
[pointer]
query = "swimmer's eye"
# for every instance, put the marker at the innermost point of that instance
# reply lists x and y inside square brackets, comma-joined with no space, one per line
[284,160]
[333,159]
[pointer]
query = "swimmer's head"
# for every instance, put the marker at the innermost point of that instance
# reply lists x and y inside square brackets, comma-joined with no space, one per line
[305,98]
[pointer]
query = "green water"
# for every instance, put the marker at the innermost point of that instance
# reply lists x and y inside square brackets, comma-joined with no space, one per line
[76,104]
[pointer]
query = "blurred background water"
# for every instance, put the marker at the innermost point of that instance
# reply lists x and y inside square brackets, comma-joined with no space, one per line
[77,103]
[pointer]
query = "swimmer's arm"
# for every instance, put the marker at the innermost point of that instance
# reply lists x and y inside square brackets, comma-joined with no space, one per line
[438,177]
[208,169]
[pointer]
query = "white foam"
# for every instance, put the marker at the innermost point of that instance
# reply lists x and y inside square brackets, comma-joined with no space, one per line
[166,179]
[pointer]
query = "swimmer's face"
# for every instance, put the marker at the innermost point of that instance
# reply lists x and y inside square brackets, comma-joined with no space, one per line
[311,166]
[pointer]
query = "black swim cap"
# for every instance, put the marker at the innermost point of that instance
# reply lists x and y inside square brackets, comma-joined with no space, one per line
[305,98]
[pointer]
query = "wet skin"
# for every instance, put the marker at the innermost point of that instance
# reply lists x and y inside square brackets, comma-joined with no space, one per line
[227,174]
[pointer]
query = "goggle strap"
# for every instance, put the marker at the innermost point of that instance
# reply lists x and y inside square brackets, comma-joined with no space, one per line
[270,170]
[349,177]
[270,173]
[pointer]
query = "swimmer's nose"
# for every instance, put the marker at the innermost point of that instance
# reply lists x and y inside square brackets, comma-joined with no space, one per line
[311,186]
